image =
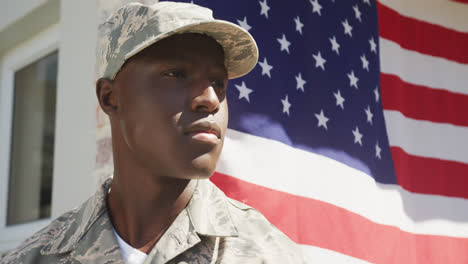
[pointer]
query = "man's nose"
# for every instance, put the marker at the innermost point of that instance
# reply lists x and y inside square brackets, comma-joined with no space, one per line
[205,98]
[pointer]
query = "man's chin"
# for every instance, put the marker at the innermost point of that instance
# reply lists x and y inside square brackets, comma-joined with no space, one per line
[199,173]
[201,167]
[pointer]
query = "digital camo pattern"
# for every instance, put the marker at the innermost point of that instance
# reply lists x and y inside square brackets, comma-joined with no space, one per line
[211,229]
[107,7]
[136,26]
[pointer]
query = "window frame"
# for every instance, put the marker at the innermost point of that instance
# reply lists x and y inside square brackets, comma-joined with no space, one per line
[33,49]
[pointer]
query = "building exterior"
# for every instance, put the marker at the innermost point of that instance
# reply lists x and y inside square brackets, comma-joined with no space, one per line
[47,112]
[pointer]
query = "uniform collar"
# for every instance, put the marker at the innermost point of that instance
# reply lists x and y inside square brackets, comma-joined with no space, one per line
[207,214]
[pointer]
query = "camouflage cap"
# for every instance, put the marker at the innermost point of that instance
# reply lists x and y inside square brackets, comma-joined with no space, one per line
[136,26]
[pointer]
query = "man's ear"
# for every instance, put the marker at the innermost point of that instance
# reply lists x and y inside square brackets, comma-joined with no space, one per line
[106,95]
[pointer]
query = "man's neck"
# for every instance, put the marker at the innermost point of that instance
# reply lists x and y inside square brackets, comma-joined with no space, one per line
[142,206]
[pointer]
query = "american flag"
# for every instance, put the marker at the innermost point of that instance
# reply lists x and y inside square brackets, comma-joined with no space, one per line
[351,133]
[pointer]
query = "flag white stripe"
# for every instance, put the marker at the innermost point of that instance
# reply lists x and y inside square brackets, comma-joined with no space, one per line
[427,139]
[322,255]
[414,67]
[446,13]
[314,176]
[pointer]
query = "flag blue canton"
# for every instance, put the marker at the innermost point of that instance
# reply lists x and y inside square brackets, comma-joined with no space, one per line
[316,86]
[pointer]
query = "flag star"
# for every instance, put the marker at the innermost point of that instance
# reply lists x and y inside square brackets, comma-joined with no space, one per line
[357,13]
[367,2]
[357,136]
[243,24]
[319,61]
[286,105]
[339,99]
[347,28]
[299,24]
[335,45]
[266,68]
[322,120]
[376,93]
[300,82]
[353,79]
[365,62]
[316,7]
[377,151]
[284,43]
[244,91]
[264,8]
[369,114]
[373,45]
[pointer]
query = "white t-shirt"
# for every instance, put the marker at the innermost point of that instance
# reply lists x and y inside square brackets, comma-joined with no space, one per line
[131,254]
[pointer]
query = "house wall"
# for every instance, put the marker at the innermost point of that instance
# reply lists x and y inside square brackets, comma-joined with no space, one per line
[21,20]
[75,128]
[14,10]
[74,25]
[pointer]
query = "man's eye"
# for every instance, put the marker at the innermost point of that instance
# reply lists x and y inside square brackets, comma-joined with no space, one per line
[175,74]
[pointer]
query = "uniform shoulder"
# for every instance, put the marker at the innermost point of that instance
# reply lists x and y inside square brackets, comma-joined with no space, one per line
[62,234]
[253,227]
[30,249]
[247,217]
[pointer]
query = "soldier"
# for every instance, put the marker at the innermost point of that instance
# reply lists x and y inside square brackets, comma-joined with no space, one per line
[165,69]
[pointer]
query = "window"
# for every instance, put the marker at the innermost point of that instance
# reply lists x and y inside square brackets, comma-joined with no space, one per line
[32,141]
[28,80]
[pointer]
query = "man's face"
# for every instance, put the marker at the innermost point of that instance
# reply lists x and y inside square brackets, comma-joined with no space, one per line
[172,111]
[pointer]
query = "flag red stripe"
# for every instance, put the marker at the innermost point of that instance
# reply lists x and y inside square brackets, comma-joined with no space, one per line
[430,175]
[421,36]
[417,101]
[317,223]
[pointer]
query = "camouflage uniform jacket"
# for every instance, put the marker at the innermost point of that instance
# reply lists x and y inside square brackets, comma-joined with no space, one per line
[211,229]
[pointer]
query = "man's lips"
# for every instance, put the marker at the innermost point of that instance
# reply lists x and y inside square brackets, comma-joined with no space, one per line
[204,137]
[204,131]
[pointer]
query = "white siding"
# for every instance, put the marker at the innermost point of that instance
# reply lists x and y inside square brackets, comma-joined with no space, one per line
[75,148]
[21,22]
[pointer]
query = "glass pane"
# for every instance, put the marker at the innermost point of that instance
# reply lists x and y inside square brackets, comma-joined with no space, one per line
[32,149]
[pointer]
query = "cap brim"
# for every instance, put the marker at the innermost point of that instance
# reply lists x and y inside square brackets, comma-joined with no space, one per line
[240,49]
